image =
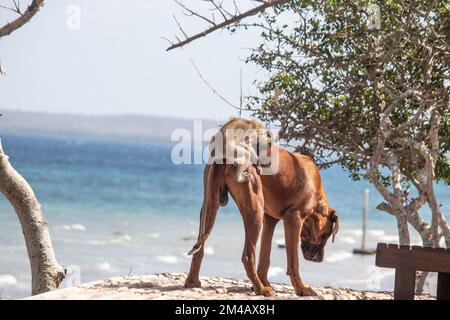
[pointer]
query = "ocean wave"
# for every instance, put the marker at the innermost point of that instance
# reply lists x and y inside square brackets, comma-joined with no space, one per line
[376,233]
[209,250]
[275,271]
[117,240]
[167,259]
[353,232]
[7,280]
[339,256]
[373,278]
[347,239]
[73,227]
[12,248]
[358,232]
[389,238]
[101,242]
[104,266]
[153,235]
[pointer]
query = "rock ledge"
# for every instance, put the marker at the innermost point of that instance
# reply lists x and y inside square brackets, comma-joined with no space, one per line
[169,286]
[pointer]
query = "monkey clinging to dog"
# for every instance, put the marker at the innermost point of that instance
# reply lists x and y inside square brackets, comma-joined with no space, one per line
[241,144]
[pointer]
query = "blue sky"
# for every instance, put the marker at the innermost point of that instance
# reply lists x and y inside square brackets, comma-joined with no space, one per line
[116,62]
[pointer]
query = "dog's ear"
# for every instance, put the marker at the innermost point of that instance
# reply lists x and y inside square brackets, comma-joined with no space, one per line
[334,218]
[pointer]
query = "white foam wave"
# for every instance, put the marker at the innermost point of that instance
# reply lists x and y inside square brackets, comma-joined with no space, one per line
[376,233]
[339,256]
[209,250]
[7,280]
[104,266]
[153,235]
[12,248]
[347,239]
[358,232]
[373,278]
[354,232]
[167,259]
[388,238]
[275,271]
[73,227]
[116,240]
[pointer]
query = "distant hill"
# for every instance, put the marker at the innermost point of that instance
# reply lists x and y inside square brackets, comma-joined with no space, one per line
[112,126]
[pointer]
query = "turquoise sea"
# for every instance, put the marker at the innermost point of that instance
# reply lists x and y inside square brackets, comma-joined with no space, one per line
[120,207]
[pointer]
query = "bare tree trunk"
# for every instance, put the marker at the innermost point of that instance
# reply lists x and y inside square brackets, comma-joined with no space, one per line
[402,228]
[440,219]
[445,229]
[421,276]
[434,238]
[46,273]
[421,279]
[426,179]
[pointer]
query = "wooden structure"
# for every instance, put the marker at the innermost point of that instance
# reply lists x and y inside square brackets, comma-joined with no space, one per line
[407,260]
[363,249]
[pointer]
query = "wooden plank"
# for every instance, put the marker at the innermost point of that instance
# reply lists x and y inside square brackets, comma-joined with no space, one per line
[381,245]
[405,281]
[443,286]
[431,249]
[424,260]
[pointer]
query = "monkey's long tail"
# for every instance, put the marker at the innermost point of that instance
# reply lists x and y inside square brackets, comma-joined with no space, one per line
[212,194]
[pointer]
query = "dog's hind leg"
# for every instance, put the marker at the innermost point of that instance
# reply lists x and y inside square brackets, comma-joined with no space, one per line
[266,247]
[208,215]
[193,278]
[249,198]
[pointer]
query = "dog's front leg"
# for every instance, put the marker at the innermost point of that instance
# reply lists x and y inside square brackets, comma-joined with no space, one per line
[292,228]
[269,225]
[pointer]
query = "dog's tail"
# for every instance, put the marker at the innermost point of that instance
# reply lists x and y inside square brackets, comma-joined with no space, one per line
[215,193]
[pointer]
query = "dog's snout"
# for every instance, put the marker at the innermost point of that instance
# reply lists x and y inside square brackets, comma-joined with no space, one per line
[316,258]
[312,252]
[315,250]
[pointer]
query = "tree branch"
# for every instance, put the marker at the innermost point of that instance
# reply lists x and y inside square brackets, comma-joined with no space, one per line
[211,87]
[32,9]
[227,22]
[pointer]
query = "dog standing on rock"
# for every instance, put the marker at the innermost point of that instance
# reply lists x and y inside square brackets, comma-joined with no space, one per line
[293,194]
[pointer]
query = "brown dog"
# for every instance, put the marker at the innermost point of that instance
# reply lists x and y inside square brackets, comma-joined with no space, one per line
[294,194]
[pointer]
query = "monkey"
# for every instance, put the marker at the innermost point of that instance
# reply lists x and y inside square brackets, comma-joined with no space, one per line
[239,142]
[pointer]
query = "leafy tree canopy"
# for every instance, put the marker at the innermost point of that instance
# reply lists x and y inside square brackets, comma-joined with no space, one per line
[331,76]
